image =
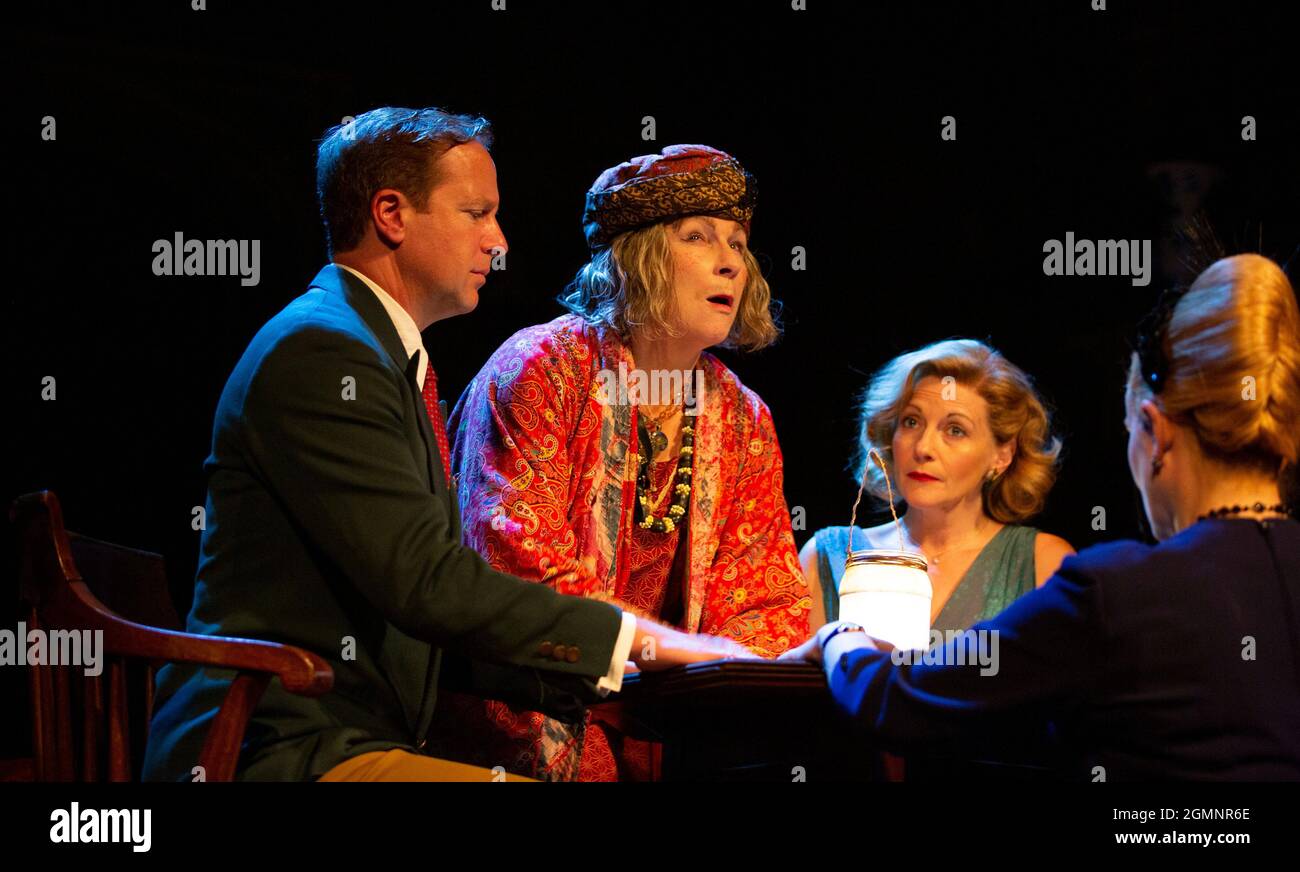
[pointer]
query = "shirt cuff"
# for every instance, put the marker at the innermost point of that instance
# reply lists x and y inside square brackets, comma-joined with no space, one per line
[834,650]
[612,682]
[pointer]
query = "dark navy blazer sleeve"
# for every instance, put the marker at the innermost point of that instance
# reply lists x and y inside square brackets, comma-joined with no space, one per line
[1048,656]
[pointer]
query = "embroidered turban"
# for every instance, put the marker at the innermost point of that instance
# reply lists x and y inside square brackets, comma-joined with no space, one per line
[682,180]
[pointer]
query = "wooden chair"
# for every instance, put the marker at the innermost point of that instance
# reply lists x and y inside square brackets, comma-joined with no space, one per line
[72,582]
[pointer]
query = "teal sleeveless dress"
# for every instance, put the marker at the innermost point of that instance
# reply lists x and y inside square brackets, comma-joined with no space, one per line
[1001,573]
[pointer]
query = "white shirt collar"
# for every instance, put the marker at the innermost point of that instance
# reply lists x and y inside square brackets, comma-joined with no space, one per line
[407,330]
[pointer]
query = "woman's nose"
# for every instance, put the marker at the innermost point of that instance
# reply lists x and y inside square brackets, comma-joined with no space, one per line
[730,262]
[922,447]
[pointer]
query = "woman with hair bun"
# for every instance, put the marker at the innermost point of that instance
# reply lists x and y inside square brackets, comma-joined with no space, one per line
[968,447]
[1179,660]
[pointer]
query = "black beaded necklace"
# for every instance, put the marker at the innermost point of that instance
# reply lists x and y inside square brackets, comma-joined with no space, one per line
[681,490]
[1225,511]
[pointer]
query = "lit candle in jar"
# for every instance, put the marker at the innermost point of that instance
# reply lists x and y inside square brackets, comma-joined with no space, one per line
[888,593]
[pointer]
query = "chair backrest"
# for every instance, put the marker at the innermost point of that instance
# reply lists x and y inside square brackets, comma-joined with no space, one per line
[131,582]
[90,719]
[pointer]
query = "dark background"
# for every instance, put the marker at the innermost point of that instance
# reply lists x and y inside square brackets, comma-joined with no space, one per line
[1114,124]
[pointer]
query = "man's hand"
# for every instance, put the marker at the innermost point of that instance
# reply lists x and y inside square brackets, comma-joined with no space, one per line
[571,570]
[658,647]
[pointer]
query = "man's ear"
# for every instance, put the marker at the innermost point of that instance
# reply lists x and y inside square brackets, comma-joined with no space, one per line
[386,213]
[1158,424]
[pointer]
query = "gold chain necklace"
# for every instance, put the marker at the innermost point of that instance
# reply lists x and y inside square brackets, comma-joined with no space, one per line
[934,559]
[668,488]
[655,430]
[654,423]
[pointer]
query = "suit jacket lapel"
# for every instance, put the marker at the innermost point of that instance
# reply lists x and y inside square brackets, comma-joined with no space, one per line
[339,281]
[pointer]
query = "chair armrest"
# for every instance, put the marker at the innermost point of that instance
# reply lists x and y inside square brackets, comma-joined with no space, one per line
[300,671]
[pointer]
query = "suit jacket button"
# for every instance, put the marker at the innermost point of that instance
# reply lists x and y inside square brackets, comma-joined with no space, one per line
[545,648]
[573,654]
[559,652]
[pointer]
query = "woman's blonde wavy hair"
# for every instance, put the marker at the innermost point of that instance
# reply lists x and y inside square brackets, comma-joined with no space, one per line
[629,287]
[1014,408]
[1233,346]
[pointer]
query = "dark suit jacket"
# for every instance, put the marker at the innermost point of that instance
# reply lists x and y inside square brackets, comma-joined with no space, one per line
[329,521]
[1177,661]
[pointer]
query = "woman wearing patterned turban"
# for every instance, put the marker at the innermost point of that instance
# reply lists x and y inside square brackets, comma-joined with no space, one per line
[612,438]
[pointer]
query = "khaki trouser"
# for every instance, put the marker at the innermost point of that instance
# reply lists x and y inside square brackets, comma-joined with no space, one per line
[399,765]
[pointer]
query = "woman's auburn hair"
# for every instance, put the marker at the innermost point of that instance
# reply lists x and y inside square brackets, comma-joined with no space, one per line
[628,287]
[1233,346]
[1015,411]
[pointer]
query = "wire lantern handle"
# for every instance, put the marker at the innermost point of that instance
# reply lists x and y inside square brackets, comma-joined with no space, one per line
[873,454]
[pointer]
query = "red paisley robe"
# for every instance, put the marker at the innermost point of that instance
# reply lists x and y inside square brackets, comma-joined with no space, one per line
[547,471]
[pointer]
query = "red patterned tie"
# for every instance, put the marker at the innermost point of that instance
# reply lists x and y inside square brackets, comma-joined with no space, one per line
[435,417]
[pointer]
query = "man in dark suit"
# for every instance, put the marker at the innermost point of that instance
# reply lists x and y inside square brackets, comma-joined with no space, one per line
[331,521]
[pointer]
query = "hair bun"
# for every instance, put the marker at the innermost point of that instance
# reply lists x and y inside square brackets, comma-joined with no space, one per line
[1234,343]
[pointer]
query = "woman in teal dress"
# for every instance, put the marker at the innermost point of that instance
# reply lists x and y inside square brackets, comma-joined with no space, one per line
[969,452]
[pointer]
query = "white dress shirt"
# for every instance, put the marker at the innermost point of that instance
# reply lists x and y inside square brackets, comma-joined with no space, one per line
[412,342]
